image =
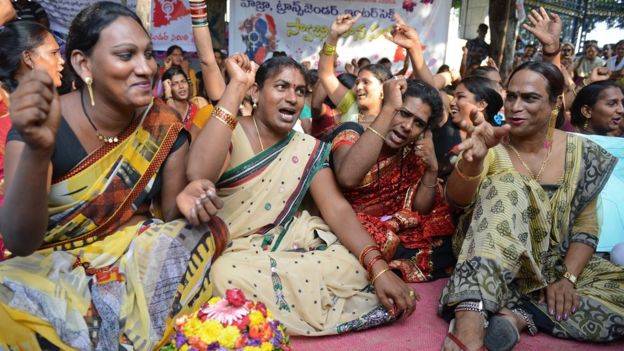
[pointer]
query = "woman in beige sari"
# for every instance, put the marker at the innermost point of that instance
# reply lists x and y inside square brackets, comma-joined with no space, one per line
[281,252]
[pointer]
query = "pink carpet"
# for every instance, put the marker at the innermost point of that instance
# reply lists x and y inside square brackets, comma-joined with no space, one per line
[424,330]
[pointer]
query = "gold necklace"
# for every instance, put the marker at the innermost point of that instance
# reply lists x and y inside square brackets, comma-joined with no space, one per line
[258,132]
[542,167]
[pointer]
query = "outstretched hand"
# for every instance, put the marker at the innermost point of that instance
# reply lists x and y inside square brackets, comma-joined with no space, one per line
[35,110]
[241,69]
[403,35]
[342,24]
[481,136]
[199,201]
[546,27]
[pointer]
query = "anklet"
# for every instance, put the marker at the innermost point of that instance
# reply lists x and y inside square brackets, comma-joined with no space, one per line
[532,328]
[474,306]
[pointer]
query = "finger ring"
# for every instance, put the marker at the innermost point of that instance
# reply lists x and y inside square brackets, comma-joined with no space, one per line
[418,147]
[412,294]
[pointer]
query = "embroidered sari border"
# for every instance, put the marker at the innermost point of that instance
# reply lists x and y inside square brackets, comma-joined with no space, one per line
[252,166]
[315,163]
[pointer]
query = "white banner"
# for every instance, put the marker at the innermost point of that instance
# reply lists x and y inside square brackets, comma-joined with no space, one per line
[62,12]
[299,28]
[171,24]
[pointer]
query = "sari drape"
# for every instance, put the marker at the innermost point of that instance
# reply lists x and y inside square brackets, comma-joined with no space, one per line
[94,283]
[514,240]
[283,255]
[418,245]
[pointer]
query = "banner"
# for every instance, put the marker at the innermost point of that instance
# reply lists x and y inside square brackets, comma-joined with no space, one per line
[62,12]
[171,24]
[299,28]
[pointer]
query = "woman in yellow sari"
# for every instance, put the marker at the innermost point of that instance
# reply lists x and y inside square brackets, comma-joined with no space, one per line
[97,268]
[282,252]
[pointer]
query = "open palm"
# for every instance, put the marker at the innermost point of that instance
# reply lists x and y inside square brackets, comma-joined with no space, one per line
[546,27]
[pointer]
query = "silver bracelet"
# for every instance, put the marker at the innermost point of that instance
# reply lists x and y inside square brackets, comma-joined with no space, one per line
[528,318]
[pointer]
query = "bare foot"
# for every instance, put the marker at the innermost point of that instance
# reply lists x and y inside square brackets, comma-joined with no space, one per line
[468,330]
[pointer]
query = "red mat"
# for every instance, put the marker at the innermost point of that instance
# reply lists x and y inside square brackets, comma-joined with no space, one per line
[424,330]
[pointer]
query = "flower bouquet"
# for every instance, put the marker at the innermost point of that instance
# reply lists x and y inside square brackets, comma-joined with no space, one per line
[230,323]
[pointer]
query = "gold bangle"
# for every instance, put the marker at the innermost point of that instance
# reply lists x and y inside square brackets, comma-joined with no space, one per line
[463,175]
[328,50]
[224,116]
[379,274]
[383,138]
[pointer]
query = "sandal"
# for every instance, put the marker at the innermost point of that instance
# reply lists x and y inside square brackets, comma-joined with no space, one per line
[503,335]
[456,340]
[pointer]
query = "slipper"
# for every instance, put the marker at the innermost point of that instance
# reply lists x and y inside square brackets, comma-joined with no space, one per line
[501,334]
[456,341]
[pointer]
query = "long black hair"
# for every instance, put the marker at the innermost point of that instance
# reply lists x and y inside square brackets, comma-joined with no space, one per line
[16,38]
[85,29]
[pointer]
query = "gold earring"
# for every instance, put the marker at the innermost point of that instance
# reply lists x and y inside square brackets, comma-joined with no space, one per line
[382,96]
[586,124]
[89,82]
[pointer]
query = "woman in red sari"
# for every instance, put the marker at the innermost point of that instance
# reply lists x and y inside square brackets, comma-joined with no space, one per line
[388,172]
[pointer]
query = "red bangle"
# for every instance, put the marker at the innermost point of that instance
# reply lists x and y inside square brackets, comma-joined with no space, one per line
[372,262]
[366,251]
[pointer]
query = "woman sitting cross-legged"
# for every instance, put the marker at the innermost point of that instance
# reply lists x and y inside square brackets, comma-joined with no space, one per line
[296,262]
[526,245]
[389,174]
[84,172]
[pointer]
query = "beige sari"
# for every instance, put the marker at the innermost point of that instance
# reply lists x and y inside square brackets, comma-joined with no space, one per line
[281,254]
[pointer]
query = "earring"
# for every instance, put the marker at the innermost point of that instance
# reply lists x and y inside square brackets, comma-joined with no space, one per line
[254,105]
[586,124]
[89,82]
[382,96]
[551,124]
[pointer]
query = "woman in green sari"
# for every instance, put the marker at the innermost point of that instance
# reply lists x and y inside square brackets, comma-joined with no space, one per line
[526,243]
[282,252]
[85,174]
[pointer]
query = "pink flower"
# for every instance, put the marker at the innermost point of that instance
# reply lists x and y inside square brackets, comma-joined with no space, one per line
[223,312]
[235,297]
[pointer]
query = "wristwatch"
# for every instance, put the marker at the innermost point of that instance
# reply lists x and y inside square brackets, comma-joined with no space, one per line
[571,277]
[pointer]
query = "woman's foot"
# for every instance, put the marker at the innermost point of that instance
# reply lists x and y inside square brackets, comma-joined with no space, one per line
[503,333]
[466,332]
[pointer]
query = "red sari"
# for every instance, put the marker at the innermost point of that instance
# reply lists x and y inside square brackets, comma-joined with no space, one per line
[418,245]
[5,126]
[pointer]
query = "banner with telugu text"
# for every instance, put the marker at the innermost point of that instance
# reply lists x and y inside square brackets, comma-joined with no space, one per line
[299,28]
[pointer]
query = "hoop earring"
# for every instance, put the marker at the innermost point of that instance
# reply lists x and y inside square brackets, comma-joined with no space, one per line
[89,82]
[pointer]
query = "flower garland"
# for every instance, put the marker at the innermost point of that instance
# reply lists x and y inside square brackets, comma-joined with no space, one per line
[233,323]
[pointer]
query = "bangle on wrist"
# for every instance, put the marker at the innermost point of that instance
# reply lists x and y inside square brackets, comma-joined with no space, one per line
[379,274]
[376,133]
[371,263]
[551,54]
[367,249]
[464,176]
[435,185]
[328,50]
[224,116]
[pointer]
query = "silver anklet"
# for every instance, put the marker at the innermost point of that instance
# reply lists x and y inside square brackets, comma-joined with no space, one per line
[474,306]
[528,318]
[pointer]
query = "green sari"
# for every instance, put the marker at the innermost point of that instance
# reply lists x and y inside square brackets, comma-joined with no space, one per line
[513,242]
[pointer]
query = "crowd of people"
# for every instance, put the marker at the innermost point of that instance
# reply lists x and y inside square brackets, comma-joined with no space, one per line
[139,192]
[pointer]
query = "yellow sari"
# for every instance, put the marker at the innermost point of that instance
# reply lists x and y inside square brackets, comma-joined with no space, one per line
[280,253]
[94,283]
